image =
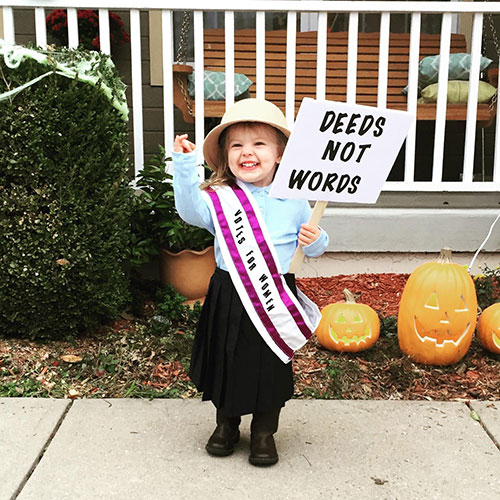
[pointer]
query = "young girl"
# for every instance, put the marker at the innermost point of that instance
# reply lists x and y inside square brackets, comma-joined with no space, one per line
[251,321]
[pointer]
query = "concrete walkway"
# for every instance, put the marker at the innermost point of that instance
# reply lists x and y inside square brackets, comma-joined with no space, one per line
[138,449]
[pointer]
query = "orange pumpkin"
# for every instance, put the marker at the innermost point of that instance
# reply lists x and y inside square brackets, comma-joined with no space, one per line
[348,326]
[488,328]
[437,312]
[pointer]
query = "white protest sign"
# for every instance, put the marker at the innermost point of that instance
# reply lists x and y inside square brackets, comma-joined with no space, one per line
[340,152]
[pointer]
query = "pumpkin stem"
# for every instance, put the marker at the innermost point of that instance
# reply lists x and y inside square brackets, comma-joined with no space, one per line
[445,256]
[349,297]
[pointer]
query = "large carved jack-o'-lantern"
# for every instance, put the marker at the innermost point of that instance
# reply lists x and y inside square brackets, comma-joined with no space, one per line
[488,328]
[348,326]
[437,312]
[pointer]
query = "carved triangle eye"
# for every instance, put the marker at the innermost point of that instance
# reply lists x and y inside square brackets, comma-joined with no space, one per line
[464,305]
[357,319]
[340,319]
[432,302]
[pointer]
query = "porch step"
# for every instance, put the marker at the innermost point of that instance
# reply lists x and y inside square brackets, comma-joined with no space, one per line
[335,263]
[410,229]
[397,240]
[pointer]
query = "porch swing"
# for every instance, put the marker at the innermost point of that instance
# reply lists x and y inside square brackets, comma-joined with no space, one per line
[336,70]
[493,77]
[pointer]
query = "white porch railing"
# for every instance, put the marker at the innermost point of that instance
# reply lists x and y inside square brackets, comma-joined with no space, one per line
[448,11]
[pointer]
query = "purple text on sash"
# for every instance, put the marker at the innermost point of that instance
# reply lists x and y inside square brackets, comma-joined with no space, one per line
[261,241]
[240,267]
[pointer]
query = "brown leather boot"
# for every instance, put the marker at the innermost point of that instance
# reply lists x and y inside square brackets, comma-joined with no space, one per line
[262,447]
[225,436]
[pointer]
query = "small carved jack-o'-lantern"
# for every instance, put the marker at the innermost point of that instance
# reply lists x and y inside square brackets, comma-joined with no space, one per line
[488,328]
[348,326]
[437,312]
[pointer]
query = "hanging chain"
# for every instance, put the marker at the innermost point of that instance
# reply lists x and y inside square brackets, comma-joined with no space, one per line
[183,38]
[494,33]
[494,36]
[493,102]
[182,57]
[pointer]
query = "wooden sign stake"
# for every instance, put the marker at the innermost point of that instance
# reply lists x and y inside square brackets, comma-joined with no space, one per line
[316,214]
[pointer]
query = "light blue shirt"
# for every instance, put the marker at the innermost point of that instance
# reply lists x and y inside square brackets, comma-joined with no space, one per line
[283,217]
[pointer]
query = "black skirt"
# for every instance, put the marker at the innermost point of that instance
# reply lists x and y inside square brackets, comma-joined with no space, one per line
[230,362]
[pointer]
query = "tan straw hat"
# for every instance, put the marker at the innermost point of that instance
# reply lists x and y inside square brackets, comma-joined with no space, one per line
[246,110]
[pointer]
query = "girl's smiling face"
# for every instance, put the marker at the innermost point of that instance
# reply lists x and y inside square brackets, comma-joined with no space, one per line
[253,152]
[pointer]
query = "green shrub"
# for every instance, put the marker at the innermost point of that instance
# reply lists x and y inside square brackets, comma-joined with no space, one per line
[64,203]
[170,305]
[487,286]
[155,221]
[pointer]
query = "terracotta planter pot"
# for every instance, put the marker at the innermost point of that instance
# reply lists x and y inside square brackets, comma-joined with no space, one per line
[188,271]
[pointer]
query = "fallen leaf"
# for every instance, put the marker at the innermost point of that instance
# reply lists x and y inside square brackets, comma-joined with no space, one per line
[71,358]
[475,416]
[73,394]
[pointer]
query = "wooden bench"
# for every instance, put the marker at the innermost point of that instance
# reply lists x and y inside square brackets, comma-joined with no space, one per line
[336,72]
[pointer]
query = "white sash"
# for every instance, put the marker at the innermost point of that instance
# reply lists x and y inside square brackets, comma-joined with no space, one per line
[284,321]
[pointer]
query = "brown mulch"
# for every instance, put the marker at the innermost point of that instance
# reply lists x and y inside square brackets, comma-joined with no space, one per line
[123,360]
[166,375]
[380,291]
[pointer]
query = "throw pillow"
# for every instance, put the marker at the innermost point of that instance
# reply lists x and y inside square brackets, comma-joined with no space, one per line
[458,69]
[214,85]
[458,92]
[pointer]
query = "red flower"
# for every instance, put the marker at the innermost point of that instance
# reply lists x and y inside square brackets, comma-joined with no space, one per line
[55,15]
[116,18]
[125,37]
[88,27]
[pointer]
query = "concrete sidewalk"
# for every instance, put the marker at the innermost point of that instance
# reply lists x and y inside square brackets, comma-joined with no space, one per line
[137,449]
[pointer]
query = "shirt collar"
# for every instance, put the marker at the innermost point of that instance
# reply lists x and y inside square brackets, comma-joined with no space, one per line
[253,188]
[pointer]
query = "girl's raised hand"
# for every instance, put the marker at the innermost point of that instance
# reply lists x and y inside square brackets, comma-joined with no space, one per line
[308,234]
[182,145]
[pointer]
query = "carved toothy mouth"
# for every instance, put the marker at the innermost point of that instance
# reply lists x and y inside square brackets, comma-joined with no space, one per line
[424,338]
[496,340]
[350,340]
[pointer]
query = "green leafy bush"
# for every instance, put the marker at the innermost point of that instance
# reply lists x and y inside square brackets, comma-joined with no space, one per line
[64,202]
[487,286]
[171,306]
[155,221]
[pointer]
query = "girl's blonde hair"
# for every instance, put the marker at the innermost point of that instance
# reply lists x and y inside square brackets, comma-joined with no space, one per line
[222,175]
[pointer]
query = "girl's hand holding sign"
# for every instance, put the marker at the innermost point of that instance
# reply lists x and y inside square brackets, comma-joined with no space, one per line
[254,317]
[308,234]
